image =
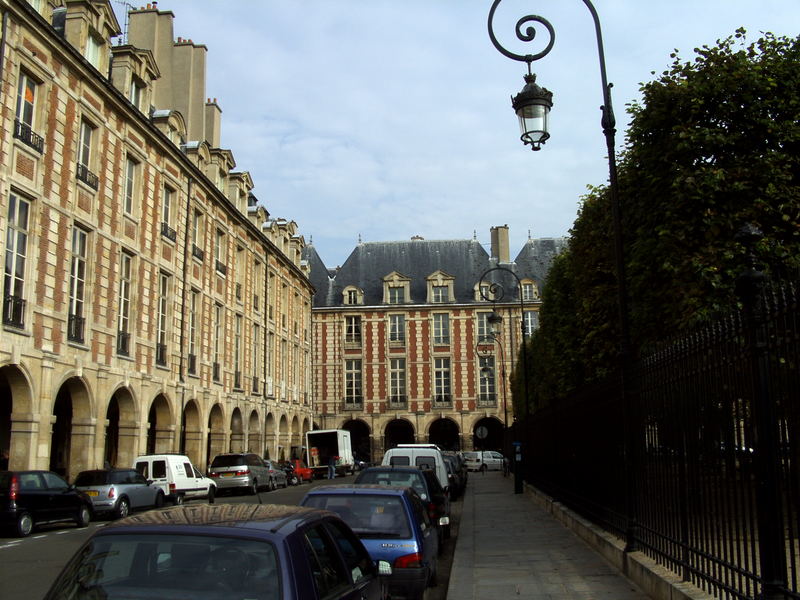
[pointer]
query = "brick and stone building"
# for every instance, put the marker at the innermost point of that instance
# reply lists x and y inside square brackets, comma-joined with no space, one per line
[149,302]
[403,348]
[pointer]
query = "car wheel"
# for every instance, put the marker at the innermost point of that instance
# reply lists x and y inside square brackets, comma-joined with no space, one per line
[272,485]
[212,492]
[178,499]
[24,525]
[84,516]
[159,500]
[123,508]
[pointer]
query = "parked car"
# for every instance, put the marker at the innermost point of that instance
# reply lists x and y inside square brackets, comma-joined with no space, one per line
[455,483]
[32,498]
[118,491]
[419,455]
[177,477]
[303,471]
[422,481]
[393,525]
[460,465]
[276,475]
[484,460]
[239,471]
[232,551]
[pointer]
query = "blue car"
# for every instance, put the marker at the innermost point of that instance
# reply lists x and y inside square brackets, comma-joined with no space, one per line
[224,551]
[394,526]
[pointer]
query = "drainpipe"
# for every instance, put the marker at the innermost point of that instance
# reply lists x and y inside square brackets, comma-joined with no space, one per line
[190,181]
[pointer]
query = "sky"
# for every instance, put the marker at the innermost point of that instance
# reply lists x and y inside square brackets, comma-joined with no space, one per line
[379,120]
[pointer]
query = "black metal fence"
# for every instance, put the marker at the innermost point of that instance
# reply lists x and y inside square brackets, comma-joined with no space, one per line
[697,464]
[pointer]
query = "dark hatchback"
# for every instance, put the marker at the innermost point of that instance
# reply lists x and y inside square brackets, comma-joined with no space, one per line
[31,498]
[225,551]
[422,481]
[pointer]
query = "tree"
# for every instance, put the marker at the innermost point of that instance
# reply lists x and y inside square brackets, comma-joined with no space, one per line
[713,145]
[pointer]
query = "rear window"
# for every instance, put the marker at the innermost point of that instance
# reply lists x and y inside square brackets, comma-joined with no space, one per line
[228,460]
[470,455]
[401,478]
[369,516]
[91,478]
[172,566]
[425,462]
[400,461]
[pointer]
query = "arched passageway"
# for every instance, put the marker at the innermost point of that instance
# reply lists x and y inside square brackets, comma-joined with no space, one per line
[398,431]
[359,439]
[445,434]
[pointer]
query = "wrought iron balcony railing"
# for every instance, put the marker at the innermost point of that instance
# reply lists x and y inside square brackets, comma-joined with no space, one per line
[161,354]
[26,135]
[123,343]
[191,367]
[198,253]
[398,401]
[75,325]
[86,176]
[442,400]
[13,311]
[168,232]
[486,400]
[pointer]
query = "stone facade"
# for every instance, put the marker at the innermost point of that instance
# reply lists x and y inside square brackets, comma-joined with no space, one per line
[149,302]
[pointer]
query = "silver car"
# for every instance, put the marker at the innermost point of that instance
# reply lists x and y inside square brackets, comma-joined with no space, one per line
[118,491]
[244,471]
[277,476]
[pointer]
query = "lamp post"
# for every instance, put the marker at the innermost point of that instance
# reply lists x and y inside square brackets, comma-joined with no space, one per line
[494,338]
[493,291]
[533,129]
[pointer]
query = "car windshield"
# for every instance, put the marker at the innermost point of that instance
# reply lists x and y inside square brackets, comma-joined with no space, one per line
[91,478]
[126,566]
[470,456]
[401,478]
[228,460]
[369,516]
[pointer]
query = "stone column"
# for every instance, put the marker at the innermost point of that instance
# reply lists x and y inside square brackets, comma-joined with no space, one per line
[81,446]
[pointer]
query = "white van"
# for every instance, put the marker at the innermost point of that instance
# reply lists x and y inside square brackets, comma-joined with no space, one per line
[177,476]
[418,455]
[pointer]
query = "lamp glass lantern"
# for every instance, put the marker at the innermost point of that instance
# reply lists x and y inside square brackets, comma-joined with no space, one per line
[532,106]
[495,322]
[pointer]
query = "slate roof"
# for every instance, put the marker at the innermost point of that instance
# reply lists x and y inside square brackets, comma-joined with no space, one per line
[465,260]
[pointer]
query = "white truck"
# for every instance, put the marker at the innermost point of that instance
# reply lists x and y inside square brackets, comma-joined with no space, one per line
[322,444]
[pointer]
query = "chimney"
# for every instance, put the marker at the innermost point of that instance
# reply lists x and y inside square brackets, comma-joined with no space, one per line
[500,250]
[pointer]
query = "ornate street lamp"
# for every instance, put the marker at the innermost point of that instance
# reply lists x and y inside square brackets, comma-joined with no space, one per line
[492,291]
[608,124]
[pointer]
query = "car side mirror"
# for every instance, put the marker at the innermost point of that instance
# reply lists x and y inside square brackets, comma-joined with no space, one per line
[149,482]
[384,568]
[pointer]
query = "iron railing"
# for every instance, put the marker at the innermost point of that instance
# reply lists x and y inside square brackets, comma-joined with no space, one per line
[83,174]
[14,311]
[24,133]
[123,343]
[75,324]
[168,231]
[714,453]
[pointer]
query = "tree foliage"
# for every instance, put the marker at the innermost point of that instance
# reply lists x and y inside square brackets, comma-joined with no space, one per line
[713,145]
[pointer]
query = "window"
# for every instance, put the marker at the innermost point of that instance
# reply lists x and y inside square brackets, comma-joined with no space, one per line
[531,321]
[94,51]
[397,328]
[167,200]
[351,296]
[240,273]
[357,561]
[77,284]
[485,293]
[529,292]
[237,353]
[397,381]
[194,305]
[352,333]
[352,382]
[441,380]
[218,333]
[258,284]
[161,321]
[15,261]
[441,328]
[84,172]
[124,319]
[131,172]
[484,329]
[329,577]
[26,112]
[486,382]
[396,294]
[440,294]
[220,252]
[197,235]
[136,93]
[256,356]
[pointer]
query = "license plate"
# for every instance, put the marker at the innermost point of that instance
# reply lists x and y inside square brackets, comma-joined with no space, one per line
[228,474]
[92,493]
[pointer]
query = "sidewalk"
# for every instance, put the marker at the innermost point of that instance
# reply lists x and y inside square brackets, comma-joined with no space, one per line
[508,547]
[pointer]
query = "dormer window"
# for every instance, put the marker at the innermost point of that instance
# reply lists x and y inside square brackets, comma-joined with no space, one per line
[529,291]
[136,93]
[94,50]
[439,294]
[397,294]
[353,296]
[440,288]
[396,289]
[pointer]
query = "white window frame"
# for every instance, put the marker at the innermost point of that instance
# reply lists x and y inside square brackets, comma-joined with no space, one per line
[352,329]
[125,291]
[78,271]
[397,380]
[26,108]
[397,328]
[164,281]
[352,381]
[487,387]
[131,177]
[441,379]
[85,141]
[441,329]
[16,255]
[531,320]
